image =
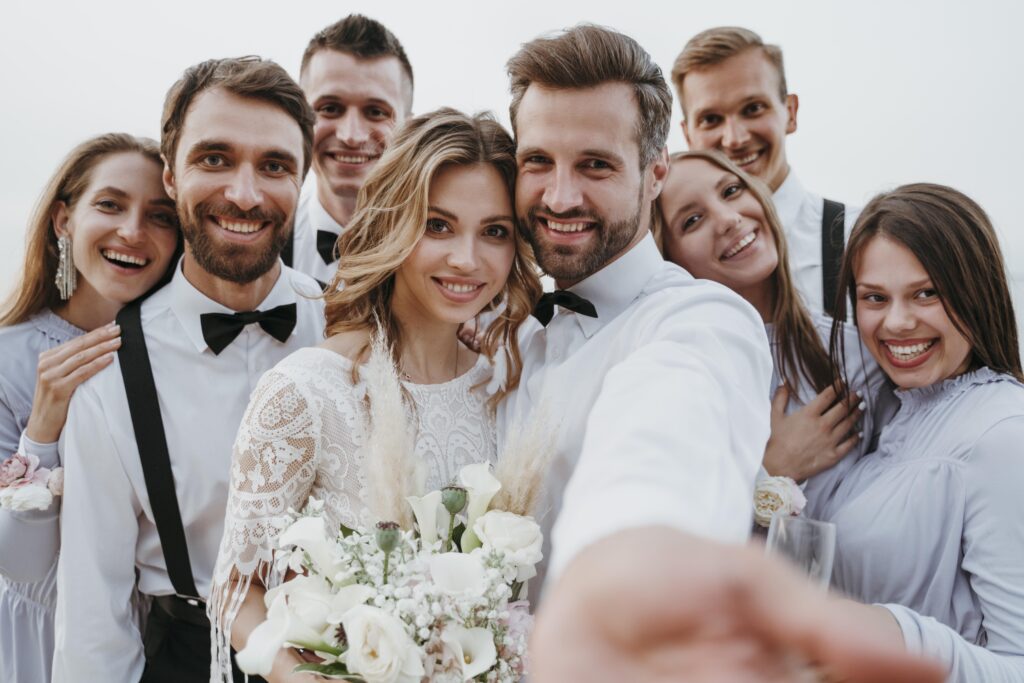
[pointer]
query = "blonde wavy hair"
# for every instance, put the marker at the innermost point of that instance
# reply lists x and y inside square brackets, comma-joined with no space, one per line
[391,217]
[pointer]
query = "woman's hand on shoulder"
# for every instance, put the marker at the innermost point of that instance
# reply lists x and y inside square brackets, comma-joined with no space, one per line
[813,438]
[60,371]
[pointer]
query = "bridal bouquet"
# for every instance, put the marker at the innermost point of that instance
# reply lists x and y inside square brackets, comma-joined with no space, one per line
[24,485]
[439,602]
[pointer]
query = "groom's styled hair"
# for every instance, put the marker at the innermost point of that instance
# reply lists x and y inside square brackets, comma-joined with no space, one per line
[586,56]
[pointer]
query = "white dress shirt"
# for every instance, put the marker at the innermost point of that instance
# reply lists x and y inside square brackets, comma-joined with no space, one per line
[660,406]
[311,216]
[800,212]
[107,528]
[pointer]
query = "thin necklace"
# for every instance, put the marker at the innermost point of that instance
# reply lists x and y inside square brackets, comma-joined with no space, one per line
[455,371]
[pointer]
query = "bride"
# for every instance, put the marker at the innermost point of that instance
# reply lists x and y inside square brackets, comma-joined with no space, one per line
[432,244]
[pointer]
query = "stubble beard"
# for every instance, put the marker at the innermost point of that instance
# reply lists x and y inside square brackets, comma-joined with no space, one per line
[238,263]
[567,263]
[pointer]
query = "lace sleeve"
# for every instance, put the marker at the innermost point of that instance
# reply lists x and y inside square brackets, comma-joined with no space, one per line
[273,467]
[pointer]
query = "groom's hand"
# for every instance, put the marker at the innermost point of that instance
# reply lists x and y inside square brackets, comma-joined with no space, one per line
[652,605]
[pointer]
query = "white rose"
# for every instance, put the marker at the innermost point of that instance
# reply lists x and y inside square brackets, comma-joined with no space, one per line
[55,482]
[518,537]
[777,494]
[379,649]
[26,497]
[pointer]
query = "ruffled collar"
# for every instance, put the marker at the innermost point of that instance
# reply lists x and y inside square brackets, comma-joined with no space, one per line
[55,327]
[949,388]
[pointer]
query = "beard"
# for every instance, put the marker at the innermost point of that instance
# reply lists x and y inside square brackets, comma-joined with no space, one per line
[571,263]
[239,263]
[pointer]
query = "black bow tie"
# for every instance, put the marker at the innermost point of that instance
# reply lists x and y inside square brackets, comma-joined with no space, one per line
[325,242]
[545,308]
[220,329]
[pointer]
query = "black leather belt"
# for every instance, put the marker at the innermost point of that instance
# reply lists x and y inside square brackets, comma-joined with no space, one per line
[190,610]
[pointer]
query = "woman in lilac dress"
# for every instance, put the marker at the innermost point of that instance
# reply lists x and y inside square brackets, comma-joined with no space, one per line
[930,525]
[104,232]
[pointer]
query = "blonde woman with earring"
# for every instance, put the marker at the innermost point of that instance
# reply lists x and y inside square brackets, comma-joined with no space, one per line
[103,233]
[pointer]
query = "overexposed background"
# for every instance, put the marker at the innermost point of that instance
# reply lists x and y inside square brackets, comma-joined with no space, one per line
[890,92]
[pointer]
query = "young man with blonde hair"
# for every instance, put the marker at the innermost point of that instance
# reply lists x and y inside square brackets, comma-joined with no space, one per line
[732,90]
[358,80]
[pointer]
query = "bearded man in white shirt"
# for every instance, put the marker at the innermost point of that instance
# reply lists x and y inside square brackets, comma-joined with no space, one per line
[147,445]
[658,382]
[358,80]
[732,90]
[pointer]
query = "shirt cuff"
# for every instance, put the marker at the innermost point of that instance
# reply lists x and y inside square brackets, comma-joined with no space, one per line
[913,638]
[46,452]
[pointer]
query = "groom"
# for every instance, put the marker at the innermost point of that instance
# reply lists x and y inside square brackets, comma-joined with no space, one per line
[660,381]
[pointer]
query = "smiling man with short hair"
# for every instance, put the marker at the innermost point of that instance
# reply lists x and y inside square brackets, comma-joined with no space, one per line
[148,441]
[733,93]
[358,80]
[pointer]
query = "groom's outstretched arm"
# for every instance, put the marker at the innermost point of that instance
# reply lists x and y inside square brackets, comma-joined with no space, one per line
[654,604]
[677,433]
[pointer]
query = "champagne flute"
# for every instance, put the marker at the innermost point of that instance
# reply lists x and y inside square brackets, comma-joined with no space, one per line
[807,543]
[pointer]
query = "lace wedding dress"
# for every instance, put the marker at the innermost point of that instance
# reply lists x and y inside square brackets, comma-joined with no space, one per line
[303,436]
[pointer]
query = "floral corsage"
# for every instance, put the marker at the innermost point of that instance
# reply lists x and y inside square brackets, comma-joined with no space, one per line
[777,494]
[24,485]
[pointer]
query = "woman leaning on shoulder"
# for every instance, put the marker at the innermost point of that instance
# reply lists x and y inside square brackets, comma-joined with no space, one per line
[104,232]
[719,224]
[931,523]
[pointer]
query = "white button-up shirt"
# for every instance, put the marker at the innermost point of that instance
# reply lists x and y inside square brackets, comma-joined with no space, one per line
[107,528]
[311,216]
[661,406]
[800,212]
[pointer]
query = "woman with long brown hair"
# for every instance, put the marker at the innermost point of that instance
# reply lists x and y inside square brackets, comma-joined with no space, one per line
[103,233]
[930,522]
[719,224]
[433,243]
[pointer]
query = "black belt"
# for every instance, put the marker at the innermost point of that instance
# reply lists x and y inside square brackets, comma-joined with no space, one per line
[190,610]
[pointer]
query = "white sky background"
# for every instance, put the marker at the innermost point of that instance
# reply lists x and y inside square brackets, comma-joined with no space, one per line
[890,92]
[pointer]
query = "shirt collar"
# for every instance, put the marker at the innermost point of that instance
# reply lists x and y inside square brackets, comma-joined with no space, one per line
[321,219]
[613,288]
[788,197]
[188,303]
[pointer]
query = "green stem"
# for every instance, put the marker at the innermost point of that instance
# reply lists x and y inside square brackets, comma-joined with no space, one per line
[451,530]
[387,556]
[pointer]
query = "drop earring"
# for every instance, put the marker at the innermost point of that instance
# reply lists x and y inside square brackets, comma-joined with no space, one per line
[67,276]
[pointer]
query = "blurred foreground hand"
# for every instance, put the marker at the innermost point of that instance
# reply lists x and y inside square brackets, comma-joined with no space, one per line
[654,604]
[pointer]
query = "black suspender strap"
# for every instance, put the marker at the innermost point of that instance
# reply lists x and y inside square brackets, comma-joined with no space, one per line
[152,442]
[287,253]
[833,239]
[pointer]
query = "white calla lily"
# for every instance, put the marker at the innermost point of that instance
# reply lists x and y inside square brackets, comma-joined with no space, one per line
[458,574]
[309,601]
[425,508]
[481,487]
[257,657]
[346,598]
[310,535]
[473,647]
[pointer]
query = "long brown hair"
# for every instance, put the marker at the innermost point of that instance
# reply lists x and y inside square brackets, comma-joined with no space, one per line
[35,290]
[954,240]
[391,217]
[802,351]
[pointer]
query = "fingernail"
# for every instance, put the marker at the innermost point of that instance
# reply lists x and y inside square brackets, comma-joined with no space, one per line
[114,327]
[862,405]
[860,434]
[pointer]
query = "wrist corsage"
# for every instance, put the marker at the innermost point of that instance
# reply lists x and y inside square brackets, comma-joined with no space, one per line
[24,485]
[777,494]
